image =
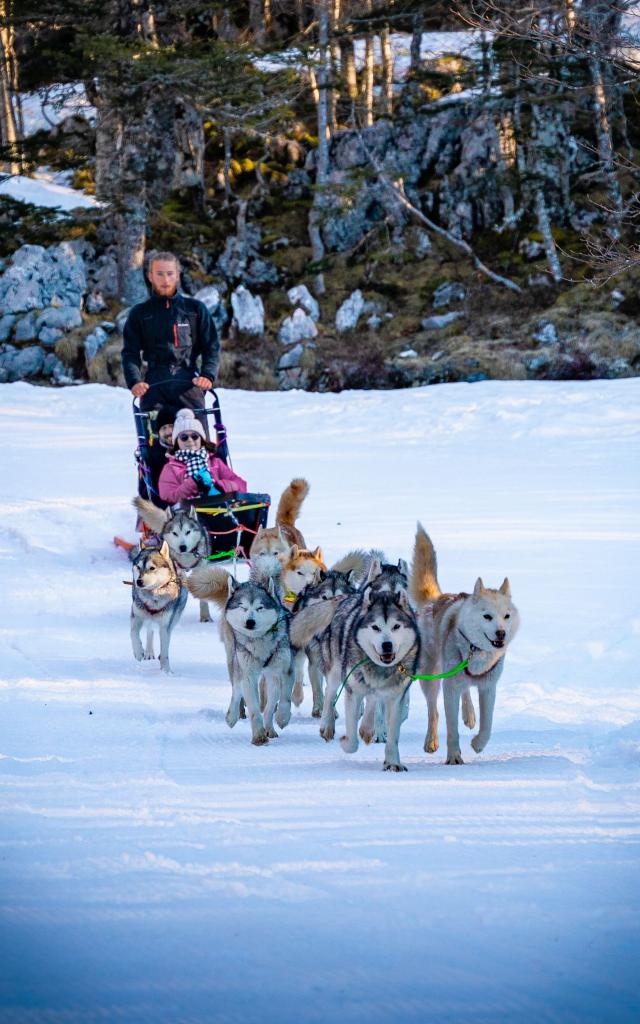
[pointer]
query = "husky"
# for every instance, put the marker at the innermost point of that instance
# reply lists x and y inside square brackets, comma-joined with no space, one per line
[377,636]
[158,599]
[254,630]
[332,586]
[278,539]
[187,538]
[454,627]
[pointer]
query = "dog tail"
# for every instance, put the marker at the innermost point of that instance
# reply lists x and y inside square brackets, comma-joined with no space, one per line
[291,502]
[355,561]
[310,622]
[423,583]
[209,583]
[152,516]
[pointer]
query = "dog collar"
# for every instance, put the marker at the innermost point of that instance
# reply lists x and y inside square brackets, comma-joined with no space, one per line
[290,597]
[472,647]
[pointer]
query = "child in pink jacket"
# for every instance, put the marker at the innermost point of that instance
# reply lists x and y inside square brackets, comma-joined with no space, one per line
[192,469]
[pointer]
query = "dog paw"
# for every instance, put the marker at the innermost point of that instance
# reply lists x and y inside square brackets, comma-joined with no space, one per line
[379,737]
[138,656]
[230,719]
[454,759]
[389,766]
[283,717]
[316,712]
[260,738]
[149,657]
[298,694]
[205,618]
[430,746]
[469,720]
[349,746]
[327,732]
[366,735]
[272,734]
[243,709]
[478,743]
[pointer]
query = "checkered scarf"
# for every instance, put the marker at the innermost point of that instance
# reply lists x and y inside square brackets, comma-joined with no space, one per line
[195,462]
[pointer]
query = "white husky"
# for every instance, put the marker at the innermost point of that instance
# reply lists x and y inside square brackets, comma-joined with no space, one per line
[455,627]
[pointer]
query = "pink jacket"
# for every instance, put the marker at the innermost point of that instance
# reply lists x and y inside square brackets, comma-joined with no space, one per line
[175,485]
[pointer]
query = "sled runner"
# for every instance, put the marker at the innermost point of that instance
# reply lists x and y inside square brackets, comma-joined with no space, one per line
[232,519]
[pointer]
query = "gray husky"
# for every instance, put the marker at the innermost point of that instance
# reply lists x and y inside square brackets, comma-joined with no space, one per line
[254,630]
[454,627]
[375,634]
[187,538]
[158,600]
[332,586]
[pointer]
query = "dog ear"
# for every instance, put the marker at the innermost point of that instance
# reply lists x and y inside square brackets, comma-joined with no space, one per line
[294,550]
[478,588]
[192,513]
[231,585]
[403,567]
[352,577]
[400,599]
[506,587]
[258,533]
[164,550]
[317,554]
[374,570]
[271,587]
[171,511]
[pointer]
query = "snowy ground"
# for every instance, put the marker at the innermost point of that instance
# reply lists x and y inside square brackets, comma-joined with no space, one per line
[156,867]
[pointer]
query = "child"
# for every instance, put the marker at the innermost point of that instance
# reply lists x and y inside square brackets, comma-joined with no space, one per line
[192,469]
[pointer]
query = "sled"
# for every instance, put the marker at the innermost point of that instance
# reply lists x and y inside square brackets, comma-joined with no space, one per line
[232,519]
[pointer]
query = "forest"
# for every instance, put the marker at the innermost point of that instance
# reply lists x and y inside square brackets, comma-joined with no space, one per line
[365,194]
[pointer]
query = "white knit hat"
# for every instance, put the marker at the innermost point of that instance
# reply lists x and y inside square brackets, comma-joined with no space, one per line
[185,421]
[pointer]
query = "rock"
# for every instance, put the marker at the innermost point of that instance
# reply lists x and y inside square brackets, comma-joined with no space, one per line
[57,371]
[546,333]
[26,328]
[248,311]
[374,322]
[104,275]
[121,319]
[64,318]
[301,296]
[93,343]
[298,184]
[436,323]
[23,363]
[423,246]
[408,353]
[349,312]
[39,277]
[295,377]
[212,298]
[6,326]
[297,327]
[539,281]
[450,291]
[536,363]
[108,326]
[241,260]
[94,303]
[530,249]
[617,298]
[49,335]
[291,358]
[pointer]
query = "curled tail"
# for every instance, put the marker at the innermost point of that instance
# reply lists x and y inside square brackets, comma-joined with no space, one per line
[356,561]
[291,502]
[152,516]
[209,583]
[423,582]
[310,622]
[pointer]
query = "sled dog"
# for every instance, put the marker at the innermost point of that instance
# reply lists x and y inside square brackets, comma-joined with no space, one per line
[478,626]
[254,631]
[278,539]
[187,538]
[332,586]
[158,599]
[378,630]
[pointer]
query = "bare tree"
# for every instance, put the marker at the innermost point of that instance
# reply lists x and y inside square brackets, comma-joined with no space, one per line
[11,126]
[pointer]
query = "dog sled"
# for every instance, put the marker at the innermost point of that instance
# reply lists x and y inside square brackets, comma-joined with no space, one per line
[231,519]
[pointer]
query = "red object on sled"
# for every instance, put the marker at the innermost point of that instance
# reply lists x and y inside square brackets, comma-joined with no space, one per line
[120,542]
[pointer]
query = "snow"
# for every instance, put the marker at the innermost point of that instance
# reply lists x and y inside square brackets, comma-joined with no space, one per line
[157,867]
[46,188]
[47,107]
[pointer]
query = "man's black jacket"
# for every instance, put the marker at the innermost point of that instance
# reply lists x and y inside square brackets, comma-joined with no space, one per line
[171,334]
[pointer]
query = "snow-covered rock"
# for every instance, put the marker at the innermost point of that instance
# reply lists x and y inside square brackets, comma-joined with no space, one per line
[291,358]
[49,335]
[94,342]
[350,312]
[63,318]
[301,296]
[546,333]
[450,291]
[248,311]
[436,323]
[297,327]
[39,277]
[212,298]
[530,249]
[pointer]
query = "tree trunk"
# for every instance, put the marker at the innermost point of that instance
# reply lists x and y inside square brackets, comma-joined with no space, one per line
[605,145]
[416,45]
[387,70]
[544,227]
[322,161]
[11,131]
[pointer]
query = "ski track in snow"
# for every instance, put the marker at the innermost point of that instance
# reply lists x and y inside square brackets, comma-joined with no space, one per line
[155,866]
